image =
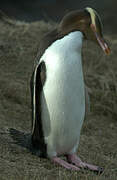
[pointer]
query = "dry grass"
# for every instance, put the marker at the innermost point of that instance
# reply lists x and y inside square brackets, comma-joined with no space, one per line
[18,47]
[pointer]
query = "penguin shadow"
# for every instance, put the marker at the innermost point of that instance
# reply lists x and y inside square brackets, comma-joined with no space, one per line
[23,140]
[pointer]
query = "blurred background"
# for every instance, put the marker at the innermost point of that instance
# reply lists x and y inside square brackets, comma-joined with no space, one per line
[33,10]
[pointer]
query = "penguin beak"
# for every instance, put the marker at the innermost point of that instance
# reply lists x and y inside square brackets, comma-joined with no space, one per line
[101,41]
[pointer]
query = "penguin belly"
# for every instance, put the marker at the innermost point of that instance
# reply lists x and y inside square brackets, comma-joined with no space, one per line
[62,98]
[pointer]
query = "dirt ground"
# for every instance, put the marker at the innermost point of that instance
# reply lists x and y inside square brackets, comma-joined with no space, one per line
[18,47]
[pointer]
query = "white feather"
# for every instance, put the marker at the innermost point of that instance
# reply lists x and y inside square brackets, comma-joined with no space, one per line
[63,99]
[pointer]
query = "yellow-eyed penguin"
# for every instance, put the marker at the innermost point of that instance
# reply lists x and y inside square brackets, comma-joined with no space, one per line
[57,88]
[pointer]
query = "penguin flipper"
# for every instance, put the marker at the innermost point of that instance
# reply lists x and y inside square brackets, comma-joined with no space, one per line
[37,82]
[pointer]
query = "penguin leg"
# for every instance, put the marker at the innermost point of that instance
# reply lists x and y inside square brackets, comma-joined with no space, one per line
[74,159]
[64,164]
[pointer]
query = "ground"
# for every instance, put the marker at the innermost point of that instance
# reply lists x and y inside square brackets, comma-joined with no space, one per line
[18,48]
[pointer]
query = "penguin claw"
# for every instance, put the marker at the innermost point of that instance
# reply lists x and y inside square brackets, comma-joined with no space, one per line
[99,170]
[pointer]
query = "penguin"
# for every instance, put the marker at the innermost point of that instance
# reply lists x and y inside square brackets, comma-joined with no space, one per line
[58,93]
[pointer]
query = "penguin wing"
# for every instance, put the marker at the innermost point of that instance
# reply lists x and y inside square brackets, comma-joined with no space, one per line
[37,82]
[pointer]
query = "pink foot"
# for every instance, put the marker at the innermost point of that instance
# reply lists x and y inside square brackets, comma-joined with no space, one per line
[64,164]
[72,158]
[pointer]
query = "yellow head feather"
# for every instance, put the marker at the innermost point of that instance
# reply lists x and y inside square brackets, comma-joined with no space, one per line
[92,14]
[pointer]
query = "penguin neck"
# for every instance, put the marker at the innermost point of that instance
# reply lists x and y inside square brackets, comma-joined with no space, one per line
[74,40]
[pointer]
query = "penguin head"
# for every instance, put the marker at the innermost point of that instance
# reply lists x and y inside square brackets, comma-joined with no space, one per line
[88,22]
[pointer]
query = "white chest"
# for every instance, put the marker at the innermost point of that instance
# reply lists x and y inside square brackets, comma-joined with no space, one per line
[63,101]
